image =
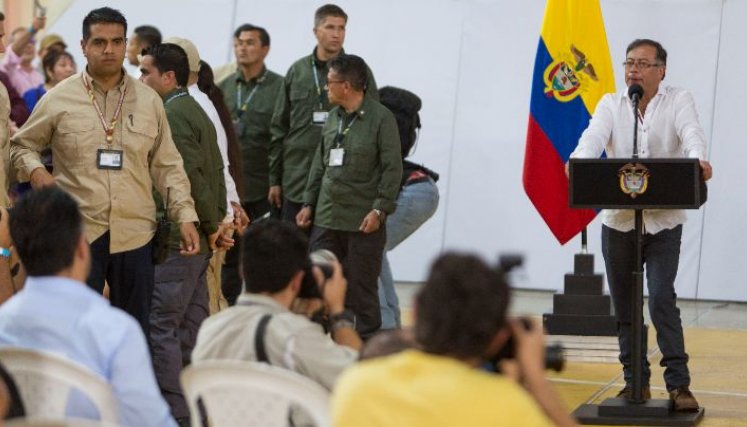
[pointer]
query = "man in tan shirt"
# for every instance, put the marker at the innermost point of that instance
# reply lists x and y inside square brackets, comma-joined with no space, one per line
[111,145]
[6,284]
[4,117]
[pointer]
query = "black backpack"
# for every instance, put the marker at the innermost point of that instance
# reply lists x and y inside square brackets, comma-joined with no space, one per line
[405,106]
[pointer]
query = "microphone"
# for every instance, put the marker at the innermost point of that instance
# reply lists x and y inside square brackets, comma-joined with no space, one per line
[635,92]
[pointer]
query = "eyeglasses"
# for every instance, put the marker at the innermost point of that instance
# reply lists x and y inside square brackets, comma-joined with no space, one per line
[329,82]
[640,64]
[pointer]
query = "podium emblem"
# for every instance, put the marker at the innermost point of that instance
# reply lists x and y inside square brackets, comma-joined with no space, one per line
[633,179]
[565,77]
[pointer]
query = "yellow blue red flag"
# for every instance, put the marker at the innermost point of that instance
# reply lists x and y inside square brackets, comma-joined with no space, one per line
[572,71]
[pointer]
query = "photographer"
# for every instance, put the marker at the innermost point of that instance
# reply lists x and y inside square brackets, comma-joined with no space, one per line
[460,322]
[275,261]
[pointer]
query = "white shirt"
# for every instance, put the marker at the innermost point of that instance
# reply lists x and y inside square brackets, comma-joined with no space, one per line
[670,129]
[292,341]
[231,194]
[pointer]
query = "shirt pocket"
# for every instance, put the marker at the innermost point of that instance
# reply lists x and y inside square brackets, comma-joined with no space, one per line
[139,139]
[362,161]
[259,120]
[302,105]
[76,144]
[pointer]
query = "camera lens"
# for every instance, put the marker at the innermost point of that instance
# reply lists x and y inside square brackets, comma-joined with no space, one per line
[324,259]
[554,357]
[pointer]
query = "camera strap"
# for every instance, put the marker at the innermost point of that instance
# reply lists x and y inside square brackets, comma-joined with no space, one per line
[259,339]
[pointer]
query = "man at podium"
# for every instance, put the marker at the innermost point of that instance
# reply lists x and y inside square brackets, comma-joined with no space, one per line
[668,127]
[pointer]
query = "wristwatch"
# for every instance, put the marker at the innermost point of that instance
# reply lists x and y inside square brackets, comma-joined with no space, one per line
[343,319]
[380,214]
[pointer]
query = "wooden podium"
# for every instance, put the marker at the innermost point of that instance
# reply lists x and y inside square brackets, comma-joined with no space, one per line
[638,184]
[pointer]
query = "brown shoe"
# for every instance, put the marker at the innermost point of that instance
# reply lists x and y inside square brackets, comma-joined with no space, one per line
[683,399]
[627,392]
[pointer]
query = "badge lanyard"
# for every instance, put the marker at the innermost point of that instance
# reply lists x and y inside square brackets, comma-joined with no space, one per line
[178,95]
[318,86]
[242,106]
[108,129]
[342,133]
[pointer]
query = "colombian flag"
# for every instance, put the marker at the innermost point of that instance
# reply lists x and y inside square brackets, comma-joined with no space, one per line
[571,73]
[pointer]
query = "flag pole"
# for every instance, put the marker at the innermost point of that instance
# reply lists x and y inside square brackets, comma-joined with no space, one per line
[584,242]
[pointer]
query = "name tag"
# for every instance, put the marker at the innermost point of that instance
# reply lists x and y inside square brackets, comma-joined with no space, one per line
[336,156]
[319,117]
[109,159]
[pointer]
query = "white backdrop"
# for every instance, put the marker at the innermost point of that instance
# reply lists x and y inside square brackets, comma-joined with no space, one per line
[471,62]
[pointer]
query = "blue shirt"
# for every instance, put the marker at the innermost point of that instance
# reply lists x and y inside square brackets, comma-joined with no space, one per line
[64,316]
[33,95]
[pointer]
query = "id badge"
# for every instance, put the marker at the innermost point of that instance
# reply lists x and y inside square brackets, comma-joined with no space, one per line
[336,156]
[319,117]
[109,159]
[239,126]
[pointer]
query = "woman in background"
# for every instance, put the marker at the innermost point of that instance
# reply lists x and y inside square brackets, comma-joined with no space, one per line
[58,65]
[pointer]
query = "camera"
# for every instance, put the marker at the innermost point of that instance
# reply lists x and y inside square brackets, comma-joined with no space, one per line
[324,259]
[554,356]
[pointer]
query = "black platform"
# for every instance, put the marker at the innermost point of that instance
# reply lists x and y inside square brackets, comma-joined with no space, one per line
[582,309]
[621,412]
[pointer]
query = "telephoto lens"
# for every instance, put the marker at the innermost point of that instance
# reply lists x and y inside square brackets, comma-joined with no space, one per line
[325,260]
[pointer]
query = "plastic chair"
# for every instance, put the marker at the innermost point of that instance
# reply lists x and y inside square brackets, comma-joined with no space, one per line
[45,380]
[67,422]
[251,394]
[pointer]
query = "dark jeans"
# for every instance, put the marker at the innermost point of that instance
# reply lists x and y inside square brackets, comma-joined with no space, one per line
[231,276]
[360,255]
[661,252]
[129,275]
[180,304]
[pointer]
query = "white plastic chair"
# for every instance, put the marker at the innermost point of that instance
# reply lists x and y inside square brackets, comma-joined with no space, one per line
[251,394]
[67,422]
[45,380]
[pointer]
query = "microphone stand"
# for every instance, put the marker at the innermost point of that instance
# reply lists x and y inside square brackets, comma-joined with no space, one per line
[637,355]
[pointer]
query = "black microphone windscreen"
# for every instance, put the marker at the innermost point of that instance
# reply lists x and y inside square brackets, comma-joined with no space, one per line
[635,90]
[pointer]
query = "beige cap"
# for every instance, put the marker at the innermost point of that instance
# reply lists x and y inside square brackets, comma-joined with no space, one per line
[192,55]
[50,40]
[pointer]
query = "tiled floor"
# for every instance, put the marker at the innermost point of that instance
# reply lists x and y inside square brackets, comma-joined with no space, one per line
[716,340]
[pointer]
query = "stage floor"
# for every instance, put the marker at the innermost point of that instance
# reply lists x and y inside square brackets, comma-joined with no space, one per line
[715,339]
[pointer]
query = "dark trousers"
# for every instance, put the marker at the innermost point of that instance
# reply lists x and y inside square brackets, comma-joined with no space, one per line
[180,304]
[289,210]
[231,276]
[360,255]
[661,252]
[130,276]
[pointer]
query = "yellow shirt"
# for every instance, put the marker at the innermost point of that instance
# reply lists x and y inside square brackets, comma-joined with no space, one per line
[118,201]
[4,145]
[414,389]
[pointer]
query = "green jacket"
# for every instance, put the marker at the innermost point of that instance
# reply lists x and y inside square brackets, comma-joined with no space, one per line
[294,136]
[370,174]
[195,138]
[251,111]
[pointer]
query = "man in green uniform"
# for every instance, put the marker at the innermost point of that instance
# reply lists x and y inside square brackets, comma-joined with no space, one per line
[301,110]
[352,186]
[250,95]
[180,296]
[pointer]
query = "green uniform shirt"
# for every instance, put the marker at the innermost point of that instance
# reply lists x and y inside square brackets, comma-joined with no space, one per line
[294,136]
[195,138]
[370,173]
[251,104]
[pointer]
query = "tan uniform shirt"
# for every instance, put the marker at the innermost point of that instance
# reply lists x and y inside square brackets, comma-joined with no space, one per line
[4,145]
[119,201]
